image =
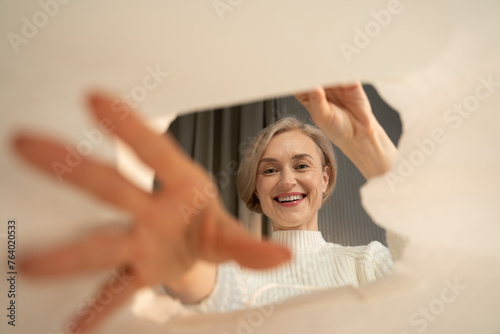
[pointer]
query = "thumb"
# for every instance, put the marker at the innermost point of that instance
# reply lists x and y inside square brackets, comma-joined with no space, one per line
[230,241]
[252,253]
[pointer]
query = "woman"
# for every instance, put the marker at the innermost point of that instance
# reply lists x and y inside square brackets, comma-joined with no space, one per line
[288,172]
[160,247]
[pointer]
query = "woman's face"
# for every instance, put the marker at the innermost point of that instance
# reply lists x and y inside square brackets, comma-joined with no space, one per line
[291,181]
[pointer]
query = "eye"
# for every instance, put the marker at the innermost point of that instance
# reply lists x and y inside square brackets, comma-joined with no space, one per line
[270,171]
[302,166]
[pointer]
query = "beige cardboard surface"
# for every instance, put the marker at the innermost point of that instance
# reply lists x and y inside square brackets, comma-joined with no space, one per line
[436,62]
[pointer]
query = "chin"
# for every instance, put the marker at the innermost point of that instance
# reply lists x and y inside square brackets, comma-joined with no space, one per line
[289,224]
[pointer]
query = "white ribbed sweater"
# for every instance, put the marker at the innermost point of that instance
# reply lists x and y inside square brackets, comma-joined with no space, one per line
[315,264]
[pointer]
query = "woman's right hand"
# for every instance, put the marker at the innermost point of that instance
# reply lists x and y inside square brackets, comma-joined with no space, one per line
[178,234]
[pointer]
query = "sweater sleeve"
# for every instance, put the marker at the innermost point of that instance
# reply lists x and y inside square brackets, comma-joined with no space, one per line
[396,244]
[375,264]
[230,292]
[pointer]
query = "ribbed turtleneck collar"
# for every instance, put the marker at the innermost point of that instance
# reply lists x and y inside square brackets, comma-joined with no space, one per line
[299,240]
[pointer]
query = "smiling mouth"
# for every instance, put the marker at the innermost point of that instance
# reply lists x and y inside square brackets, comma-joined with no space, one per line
[289,198]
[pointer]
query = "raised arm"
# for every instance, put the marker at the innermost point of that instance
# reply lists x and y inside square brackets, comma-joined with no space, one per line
[178,234]
[344,114]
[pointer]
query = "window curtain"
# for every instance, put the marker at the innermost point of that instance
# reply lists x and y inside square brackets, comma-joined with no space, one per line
[217,140]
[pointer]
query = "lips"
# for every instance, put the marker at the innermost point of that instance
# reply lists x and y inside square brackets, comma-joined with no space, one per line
[289,198]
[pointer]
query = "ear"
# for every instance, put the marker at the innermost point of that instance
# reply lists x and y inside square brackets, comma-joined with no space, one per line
[326,177]
[255,193]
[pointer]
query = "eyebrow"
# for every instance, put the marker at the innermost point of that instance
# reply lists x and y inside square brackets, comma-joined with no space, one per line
[295,157]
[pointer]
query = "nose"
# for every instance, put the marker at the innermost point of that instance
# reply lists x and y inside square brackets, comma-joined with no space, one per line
[287,179]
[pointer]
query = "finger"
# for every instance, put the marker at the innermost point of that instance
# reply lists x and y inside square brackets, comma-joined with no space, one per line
[159,152]
[232,242]
[319,108]
[303,97]
[113,294]
[347,86]
[102,250]
[351,97]
[94,177]
[255,254]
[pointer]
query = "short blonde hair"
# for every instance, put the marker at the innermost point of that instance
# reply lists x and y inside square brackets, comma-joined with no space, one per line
[247,172]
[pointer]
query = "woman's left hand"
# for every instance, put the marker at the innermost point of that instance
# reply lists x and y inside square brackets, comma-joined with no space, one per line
[344,114]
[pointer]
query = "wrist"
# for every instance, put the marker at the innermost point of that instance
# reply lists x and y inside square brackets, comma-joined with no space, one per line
[374,154]
[195,285]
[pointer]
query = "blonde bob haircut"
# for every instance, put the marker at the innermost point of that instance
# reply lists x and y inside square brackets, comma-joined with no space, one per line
[247,173]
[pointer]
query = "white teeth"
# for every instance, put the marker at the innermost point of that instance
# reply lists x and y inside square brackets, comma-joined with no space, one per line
[292,198]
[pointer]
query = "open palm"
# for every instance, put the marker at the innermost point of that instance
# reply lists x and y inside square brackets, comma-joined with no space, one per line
[174,237]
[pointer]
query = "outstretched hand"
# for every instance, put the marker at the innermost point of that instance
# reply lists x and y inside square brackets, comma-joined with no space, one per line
[172,241]
[344,114]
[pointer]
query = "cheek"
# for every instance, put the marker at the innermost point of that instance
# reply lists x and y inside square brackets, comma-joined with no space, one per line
[316,186]
[262,188]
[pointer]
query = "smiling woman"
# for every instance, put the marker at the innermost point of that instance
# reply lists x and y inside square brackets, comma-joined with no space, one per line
[284,154]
